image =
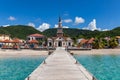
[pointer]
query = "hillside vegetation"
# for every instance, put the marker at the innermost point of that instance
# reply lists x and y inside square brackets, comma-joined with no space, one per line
[18,31]
[21,31]
[79,33]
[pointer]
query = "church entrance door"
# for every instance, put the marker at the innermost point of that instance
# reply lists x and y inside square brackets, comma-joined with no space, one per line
[50,44]
[60,44]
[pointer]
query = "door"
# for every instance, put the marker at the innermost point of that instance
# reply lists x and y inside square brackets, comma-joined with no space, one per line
[60,44]
[50,44]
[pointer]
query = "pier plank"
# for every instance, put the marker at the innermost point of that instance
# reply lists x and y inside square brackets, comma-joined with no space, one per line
[60,66]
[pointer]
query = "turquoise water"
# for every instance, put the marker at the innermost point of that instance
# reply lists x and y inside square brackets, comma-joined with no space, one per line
[18,68]
[105,67]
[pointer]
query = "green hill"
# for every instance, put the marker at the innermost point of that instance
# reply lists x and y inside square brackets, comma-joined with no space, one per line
[72,32]
[22,31]
[79,33]
[18,31]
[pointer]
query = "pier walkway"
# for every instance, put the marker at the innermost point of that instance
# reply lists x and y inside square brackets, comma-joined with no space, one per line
[60,66]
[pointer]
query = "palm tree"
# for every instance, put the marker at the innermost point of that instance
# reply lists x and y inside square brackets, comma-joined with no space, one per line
[113,43]
[98,43]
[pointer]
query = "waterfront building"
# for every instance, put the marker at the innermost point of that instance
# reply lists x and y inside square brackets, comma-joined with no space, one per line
[86,43]
[4,37]
[36,37]
[60,40]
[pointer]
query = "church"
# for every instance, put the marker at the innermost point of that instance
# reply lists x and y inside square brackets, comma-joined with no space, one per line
[60,40]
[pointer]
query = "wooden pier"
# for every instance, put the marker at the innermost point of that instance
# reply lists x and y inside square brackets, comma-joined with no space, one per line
[60,66]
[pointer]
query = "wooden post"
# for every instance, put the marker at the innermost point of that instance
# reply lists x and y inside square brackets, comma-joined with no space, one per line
[28,78]
[93,78]
[44,62]
[76,62]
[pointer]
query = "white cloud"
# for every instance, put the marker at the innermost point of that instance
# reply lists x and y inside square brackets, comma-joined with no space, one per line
[6,25]
[31,24]
[43,27]
[67,20]
[92,26]
[79,20]
[56,26]
[11,18]
[105,30]
[99,29]
[65,27]
[85,28]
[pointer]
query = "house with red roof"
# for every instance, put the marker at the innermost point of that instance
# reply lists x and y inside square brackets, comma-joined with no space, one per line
[36,37]
[86,43]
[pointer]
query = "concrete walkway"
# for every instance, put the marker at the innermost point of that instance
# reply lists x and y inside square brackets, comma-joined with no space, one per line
[60,66]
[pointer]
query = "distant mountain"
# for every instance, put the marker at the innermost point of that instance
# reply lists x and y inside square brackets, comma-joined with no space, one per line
[79,33]
[18,31]
[72,32]
[22,31]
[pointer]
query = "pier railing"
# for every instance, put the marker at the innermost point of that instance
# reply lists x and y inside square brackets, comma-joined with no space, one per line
[81,66]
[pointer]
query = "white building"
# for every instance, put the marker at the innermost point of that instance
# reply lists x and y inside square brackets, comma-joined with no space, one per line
[35,37]
[4,37]
[60,40]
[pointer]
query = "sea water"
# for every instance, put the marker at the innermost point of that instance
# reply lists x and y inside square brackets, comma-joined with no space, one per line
[103,67]
[18,68]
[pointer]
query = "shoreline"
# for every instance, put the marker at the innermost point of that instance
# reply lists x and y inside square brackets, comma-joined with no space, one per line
[20,53]
[10,53]
[96,52]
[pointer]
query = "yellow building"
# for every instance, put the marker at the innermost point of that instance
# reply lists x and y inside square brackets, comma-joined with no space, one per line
[4,37]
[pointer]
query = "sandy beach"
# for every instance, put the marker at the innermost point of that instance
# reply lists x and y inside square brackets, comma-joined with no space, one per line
[8,52]
[97,52]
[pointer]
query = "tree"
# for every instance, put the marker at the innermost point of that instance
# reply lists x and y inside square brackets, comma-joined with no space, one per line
[74,41]
[113,43]
[98,44]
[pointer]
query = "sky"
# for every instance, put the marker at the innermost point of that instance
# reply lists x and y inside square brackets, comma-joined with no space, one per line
[43,14]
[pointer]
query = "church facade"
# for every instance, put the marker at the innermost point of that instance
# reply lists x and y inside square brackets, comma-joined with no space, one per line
[60,40]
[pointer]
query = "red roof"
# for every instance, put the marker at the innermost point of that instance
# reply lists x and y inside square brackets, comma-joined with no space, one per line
[16,40]
[83,41]
[33,41]
[36,35]
[91,40]
[6,41]
[1,41]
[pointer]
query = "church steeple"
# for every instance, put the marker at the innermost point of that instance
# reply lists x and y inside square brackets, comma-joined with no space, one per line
[60,23]
[59,19]
[60,30]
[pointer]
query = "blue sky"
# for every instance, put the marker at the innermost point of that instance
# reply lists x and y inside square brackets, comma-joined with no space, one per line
[43,14]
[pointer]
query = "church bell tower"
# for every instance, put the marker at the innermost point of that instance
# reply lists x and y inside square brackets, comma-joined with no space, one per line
[60,29]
